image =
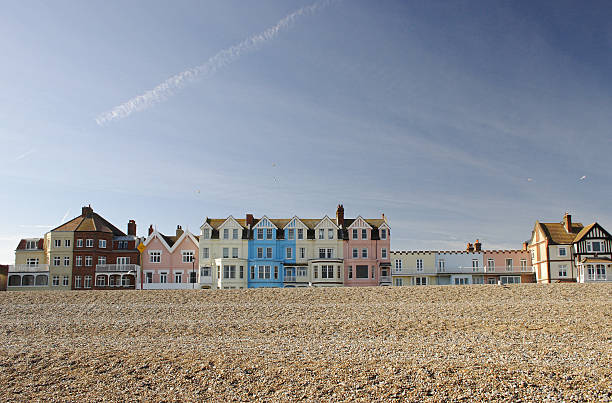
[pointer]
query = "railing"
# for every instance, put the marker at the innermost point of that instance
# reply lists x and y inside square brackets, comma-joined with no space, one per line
[114,268]
[290,278]
[205,279]
[460,269]
[509,269]
[407,271]
[385,279]
[28,268]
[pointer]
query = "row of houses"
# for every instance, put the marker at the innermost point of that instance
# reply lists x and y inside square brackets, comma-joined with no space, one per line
[88,252]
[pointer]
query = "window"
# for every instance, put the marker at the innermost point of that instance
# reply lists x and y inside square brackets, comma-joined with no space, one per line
[32,244]
[205,253]
[397,282]
[78,261]
[264,272]
[474,264]
[419,265]
[77,282]
[87,282]
[252,272]
[562,251]
[32,261]
[461,281]
[269,233]
[79,243]
[302,253]
[510,279]
[269,253]
[260,233]
[289,253]
[204,271]
[383,253]
[420,281]
[101,259]
[102,243]
[491,264]
[441,265]
[58,243]
[302,271]
[89,243]
[562,270]
[66,281]
[148,277]
[509,264]
[364,253]
[225,252]
[523,264]
[327,271]
[354,234]
[101,281]
[383,235]
[57,261]
[88,260]
[300,233]
[178,277]
[600,272]
[291,234]
[321,233]
[123,260]
[122,245]
[229,271]
[235,253]
[595,246]
[330,233]
[339,274]
[67,243]
[241,271]
[398,263]
[226,233]
[330,253]
[590,272]
[260,253]
[321,253]
[364,234]
[350,272]
[361,271]
[155,256]
[275,272]
[478,280]
[355,253]
[491,280]
[373,271]
[206,233]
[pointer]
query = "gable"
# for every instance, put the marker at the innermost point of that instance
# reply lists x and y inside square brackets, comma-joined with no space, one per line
[359,223]
[326,222]
[187,240]
[295,222]
[230,222]
[593,231]
[265,222]
[155,240]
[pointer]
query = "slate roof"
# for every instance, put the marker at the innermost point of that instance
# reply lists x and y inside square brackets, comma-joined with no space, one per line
[22,244]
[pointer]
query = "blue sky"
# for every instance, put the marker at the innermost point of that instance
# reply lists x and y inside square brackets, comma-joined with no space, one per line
[435,113]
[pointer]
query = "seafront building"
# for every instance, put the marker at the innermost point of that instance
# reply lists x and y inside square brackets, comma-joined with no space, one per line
[568,252]
[31,268]
[169,262]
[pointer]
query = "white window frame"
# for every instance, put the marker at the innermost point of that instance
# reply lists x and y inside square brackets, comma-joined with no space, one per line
[563,270]
[289,253]
[562,251]
[355,253]
[66,243]
[225,253]
[235,234]
[269,233]
[330,233]
[260,253]
[225,233]
[66,281]
[78,261]
[321,233]
[419,265]
[101,259]
[188,256]
[383,233]
[57,261]
[383,253]
[355,233]
[269,253]
[234,253]
[364,253]
[89,259]
[302,253]
[206,233]
[55,281]
[89,243]
[364,233]
[57,243]
[291,234]
[300,233]
[102,243]
[398,264]
[66,261]
[155,256]
[205,253]
[79,243]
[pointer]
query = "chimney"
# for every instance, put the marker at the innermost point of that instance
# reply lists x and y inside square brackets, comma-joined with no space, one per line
[469,247]
[567,222]
[525,245]
[249,220]
[340,215]
[179,231]
[87,212]
[132,227]
[477,246]
[150,229]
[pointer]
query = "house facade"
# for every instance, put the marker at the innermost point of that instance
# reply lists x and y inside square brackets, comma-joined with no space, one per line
[170,262]
[592,249]
[508,266]
[31,269]
[3,277]
[413,268]
[266,259]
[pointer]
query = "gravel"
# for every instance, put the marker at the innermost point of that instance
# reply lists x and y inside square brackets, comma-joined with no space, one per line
[449,343]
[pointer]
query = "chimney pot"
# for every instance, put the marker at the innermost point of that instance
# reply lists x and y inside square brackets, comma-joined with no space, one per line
[249,220]
[567,222]
[477,246]
[179,231]
[525,245]
[150,229]
[340,216]
[131,227]
[87,211]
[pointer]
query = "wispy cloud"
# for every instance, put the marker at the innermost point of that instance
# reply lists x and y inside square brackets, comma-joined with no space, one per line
[65,216]
[22,156]
[212,65]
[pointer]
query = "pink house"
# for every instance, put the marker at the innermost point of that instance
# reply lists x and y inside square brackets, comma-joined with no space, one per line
[170,262]
[508,266]
[367,245]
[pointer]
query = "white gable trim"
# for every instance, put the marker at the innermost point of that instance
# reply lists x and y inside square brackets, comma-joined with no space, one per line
[206,225]
[293,223]
[324,220]
[230,220]
[156,234]
[182,238]
[359,223]
[265,222]
[384,225]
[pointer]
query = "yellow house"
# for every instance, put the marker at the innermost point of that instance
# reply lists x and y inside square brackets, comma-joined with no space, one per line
[413,268]
[30,271]
[59,253]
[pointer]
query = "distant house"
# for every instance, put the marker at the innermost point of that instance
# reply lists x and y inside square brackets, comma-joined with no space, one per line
[570,252]
[31,268]
[3,276]
[170,262]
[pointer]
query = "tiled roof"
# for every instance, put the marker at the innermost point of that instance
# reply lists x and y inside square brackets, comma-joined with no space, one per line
[22,243]
[557,234]
[93,223]
[584,231]
[280,223]
[596,260]
[216,222]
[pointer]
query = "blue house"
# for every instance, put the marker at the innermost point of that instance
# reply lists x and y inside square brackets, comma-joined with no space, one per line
[266,255]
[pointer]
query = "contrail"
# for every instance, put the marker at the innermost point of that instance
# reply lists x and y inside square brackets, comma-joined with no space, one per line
[218,61]
[22,156]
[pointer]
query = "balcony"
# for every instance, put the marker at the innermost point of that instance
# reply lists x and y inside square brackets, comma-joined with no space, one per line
[290,279]
[509,269]
[384,279]
[205,279]
[28,268]
[117,268]
[461,270]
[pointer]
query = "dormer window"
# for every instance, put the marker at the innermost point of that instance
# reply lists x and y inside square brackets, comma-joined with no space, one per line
[206,233]
[235,233]
[300,233]
[31,244]
[330,233]
[321,233]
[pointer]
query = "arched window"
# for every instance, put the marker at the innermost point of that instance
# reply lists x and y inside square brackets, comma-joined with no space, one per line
[27,280]
[14,281]
[42,279]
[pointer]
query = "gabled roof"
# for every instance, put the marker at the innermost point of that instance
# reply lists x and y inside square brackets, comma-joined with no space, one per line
[231,219]
[93,222]
[324,219]
[170,242]
[556,233]
[588,229]
[263,220]
[295,220]
[358,221]
[215,223]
